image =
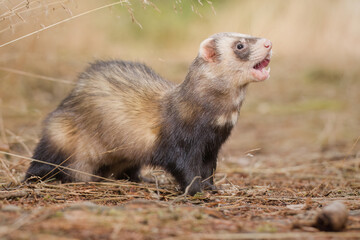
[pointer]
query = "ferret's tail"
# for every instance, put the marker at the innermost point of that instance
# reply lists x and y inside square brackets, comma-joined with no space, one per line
[48,153]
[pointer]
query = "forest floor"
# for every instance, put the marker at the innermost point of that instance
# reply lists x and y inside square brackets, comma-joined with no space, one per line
[260,196]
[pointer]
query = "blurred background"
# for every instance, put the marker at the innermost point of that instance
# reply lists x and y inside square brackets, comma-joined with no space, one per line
[309,106]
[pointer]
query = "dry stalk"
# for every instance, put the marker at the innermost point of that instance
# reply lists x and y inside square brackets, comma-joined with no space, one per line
[56,165]
[185,193]
[221,180]
[24,7]
[8,172]
[156,184]
[28,74]
[3,135]
[2,127]
[354,145]
[146,2]
[119,183]
[19,140]
[63,21]
[44,177]
[133,19]
[18,193]
[60,165]
[212,6]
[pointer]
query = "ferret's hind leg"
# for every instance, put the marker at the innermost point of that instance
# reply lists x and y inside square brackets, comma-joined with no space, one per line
[103,172]
[84,171]
[131,173]
[47,153]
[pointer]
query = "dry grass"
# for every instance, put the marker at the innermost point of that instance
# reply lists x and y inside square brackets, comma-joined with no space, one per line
[295,149]
[251,204]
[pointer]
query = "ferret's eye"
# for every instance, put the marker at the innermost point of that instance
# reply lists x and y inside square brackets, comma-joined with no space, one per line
[239,46]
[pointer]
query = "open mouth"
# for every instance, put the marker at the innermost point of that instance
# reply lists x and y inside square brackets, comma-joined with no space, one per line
[259,70]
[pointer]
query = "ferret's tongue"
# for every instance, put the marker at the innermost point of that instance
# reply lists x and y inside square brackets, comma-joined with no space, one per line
[263,64]
[259,72]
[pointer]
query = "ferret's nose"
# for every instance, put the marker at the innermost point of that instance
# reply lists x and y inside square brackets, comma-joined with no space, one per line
[267,44]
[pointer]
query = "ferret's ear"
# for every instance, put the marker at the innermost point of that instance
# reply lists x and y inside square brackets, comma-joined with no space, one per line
[208,50]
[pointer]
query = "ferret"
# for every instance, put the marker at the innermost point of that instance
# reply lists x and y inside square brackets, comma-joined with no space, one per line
[122,116]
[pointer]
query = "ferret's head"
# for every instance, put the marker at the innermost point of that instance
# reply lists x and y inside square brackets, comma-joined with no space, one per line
[237,56]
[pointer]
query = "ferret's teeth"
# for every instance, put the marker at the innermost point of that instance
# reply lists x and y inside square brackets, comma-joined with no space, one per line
[268,70]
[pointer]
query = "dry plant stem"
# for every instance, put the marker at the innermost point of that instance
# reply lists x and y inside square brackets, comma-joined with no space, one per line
[157,184]
[118,183]
[109,151]
[221,180]
[62,21]
[53,175]
[25,7]
[20,193]
[10,70]
[2,127]
[188,187]
[252,150]
[56,165]
[19,140]
[212,6]
[11,11]
[59,166]
[8,172]
[354,145]
[16,10]
[211,176]
[153,6]
[186,191]
[133,19]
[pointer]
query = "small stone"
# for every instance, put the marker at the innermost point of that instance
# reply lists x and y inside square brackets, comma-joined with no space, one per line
[332,217]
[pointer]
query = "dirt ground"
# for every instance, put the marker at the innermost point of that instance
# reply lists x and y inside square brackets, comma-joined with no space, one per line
[294,150]
[260,196]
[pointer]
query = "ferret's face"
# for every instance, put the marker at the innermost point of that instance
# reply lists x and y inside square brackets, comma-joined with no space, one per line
[237,56]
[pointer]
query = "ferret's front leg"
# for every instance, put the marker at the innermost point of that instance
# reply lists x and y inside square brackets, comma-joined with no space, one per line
[185,167]
[208,170]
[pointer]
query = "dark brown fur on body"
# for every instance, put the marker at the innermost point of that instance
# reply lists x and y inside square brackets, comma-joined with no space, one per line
[122,116]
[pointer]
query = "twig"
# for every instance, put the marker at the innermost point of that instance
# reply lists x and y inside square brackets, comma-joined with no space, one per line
[7,170]
[26,148]
[35,75]
[133,19]
[156,184]
[185,193]
[221,180]
[121,183]
[18,193]
[62,21]
[2,127]
[57,165]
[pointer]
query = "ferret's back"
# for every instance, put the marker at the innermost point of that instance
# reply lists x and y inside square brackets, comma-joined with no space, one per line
[123,76]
